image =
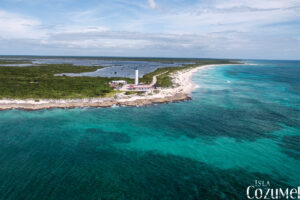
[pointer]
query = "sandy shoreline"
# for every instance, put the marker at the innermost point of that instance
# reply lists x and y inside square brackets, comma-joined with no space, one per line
[182,87]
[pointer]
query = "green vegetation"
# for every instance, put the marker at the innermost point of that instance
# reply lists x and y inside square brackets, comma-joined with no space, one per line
[110,58]
[155,91]
[39,82]
[165,80]
[130,92]
[4,62]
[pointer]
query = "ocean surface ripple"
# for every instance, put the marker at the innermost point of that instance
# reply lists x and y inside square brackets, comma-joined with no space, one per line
[242,125]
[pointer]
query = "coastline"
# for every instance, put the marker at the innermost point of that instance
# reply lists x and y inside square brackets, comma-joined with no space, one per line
[182,87]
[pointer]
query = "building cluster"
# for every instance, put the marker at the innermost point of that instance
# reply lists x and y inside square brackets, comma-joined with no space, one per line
[122,84]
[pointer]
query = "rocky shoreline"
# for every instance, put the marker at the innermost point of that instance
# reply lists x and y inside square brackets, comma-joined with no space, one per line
[180,92]
[108,103]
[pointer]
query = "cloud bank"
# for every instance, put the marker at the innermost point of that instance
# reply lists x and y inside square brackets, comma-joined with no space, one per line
[227,29]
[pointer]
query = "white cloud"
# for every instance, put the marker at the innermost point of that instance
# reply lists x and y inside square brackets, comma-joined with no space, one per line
[257,4]
[152,4]
[81,29]
[16,26]
[249,17]
[129,41]
[212,28]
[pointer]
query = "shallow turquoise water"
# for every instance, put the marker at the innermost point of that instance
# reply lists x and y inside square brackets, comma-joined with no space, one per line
[243,124]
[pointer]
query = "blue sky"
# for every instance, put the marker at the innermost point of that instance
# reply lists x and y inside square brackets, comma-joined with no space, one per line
[264,29]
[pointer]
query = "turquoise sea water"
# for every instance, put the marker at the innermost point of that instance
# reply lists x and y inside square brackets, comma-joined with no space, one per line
[242,125]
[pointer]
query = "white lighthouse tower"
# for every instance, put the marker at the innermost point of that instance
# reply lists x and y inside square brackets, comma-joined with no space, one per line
[136,80]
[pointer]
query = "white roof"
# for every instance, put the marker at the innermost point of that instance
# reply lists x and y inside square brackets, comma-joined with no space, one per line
[119,81]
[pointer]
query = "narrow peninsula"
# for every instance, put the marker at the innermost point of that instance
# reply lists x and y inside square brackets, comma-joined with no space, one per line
[46,86]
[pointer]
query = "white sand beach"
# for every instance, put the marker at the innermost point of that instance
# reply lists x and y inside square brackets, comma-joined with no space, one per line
[182,87]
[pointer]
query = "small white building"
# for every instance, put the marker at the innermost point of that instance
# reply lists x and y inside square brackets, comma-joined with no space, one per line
[123,86]
[119,82]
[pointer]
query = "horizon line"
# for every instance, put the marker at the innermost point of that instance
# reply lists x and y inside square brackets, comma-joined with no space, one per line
[152,57]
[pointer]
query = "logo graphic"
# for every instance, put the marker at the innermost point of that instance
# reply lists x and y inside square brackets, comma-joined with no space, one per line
[263,190]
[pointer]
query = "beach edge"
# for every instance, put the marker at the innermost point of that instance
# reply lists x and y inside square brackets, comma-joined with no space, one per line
[181,90]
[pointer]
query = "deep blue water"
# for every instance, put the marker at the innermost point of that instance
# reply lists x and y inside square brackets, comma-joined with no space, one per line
[242,125]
